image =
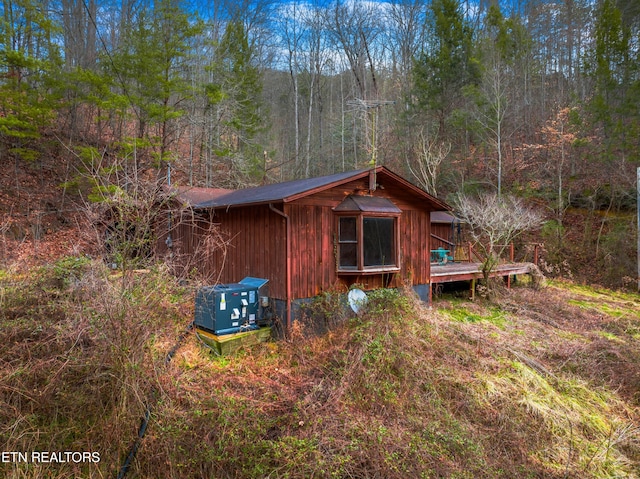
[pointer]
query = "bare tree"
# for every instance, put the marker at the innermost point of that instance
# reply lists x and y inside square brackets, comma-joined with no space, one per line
[430,155]
[494,222]
[291,34]
[317,62]
[354,27]
[406,36]
[492,113]
[79,20]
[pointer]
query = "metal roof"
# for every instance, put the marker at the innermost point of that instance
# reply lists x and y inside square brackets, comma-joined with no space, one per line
[194,195]
[443,217]
[292,190]
[278,191]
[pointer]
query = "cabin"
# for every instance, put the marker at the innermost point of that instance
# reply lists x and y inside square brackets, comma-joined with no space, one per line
[370,228]
[446,232]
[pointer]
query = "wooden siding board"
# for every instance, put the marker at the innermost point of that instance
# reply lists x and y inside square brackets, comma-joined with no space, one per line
[316,235]
[294,215]
[306,271]
[313,235]
[327,261]
[312,240]
[257,247]
[306,259]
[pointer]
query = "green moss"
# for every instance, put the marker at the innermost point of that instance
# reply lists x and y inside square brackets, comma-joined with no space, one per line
[611,337]
[492,315]
[614,310]
[591,292]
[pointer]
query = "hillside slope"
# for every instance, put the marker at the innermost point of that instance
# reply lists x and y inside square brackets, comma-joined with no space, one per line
[535,384]
[39,219]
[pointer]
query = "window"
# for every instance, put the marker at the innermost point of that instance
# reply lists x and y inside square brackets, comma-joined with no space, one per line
[348,240]
[379,245]
[367,235]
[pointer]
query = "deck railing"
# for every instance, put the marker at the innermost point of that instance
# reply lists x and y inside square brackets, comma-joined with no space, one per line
[529,253]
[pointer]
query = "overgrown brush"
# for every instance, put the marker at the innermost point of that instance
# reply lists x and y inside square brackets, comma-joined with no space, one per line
[396,391]
[78,363]
[469,390]
[358,401]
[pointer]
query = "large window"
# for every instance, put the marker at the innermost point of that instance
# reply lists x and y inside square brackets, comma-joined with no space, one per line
[379,245]
[367,243]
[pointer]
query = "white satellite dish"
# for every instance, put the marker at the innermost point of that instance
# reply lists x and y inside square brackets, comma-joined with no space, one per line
[357,300]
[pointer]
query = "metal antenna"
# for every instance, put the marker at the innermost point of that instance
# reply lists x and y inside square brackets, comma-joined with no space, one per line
[371,107]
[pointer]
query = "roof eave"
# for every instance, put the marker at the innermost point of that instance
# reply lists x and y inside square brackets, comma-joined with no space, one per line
[439,204]
[356,176]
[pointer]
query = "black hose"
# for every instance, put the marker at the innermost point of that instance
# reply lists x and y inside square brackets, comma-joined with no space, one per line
[136,445]
[144,423]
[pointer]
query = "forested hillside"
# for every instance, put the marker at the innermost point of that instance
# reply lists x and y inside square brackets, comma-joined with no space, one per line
[529,97]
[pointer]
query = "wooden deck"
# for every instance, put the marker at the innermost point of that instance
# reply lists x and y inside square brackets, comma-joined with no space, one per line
[464,271]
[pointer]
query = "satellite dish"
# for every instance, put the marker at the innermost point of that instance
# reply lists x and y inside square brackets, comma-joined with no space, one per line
[357,300]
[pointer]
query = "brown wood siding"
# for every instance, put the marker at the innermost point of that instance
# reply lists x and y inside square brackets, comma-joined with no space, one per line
[257,243]
[415,246]
[257,247]
[441,230]
[311,269]
[193,239]
[313,236]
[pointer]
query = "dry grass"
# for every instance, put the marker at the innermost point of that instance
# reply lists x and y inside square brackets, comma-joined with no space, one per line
[534,384]
[78,364]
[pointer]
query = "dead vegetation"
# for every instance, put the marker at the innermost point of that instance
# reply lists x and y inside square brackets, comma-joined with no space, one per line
[537,383]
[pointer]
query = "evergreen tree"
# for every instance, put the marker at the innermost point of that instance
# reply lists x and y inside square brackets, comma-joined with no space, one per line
[442,72]
[149,71]
[615,69]
[30,63]
[235,96]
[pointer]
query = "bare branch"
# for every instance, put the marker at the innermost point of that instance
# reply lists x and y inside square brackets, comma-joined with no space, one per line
[494,222]
[431,153]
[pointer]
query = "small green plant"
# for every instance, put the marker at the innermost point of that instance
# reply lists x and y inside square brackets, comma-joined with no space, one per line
[70,269]
[580,420]
[493,315]
[327,309]
[387,303]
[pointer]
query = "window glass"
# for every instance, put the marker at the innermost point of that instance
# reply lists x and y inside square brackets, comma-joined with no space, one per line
[348,240]
[348,230]
[349,255]
[378,247]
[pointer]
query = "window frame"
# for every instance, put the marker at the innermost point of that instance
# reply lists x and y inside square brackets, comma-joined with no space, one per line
[360,267]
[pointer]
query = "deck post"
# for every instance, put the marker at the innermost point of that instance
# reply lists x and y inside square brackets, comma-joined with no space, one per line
[512,256]
[473,289]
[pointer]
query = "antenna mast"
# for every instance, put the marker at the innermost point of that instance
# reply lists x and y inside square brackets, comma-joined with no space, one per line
[371,107]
